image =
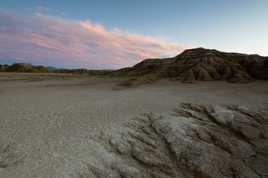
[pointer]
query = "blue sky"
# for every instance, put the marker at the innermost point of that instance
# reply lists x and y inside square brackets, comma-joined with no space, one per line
[237,25]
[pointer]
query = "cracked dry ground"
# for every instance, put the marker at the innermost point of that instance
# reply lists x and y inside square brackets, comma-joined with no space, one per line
[193,141]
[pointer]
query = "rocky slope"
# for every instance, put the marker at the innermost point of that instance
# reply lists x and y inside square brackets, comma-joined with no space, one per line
[193,141]
[201,65]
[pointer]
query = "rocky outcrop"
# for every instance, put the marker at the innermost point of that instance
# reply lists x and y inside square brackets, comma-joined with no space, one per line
[193,141]
[202,65]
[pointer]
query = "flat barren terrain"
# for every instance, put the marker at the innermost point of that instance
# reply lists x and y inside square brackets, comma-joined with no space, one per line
[47,119]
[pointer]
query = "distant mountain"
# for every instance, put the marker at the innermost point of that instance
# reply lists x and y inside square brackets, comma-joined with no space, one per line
[201,64]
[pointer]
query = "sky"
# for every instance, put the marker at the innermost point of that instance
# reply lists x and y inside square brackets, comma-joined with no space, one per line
[110,34]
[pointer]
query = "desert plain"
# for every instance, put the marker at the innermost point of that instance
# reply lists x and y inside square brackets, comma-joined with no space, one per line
[46,120]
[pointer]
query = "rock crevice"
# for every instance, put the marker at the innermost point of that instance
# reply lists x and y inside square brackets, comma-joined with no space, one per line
[197,141]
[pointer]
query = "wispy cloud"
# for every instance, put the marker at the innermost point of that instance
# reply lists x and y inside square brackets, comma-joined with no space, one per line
[51,40]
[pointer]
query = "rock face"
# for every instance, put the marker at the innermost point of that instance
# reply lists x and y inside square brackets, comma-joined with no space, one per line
[202,65]
[194,141]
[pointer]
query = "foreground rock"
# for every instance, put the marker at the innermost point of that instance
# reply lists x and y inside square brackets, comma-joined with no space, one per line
[200,65]
[194,141]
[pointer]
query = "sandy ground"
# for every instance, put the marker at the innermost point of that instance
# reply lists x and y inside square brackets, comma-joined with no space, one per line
[49,118]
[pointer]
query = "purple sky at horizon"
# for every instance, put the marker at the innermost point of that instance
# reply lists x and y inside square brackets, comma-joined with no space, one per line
[111,36]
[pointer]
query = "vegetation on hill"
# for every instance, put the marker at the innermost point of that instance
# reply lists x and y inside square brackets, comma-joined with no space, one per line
[29,68]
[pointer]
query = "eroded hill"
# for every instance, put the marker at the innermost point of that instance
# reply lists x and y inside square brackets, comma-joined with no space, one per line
[201,65]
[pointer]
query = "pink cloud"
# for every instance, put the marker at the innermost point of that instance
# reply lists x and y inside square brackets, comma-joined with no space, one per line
[50,40]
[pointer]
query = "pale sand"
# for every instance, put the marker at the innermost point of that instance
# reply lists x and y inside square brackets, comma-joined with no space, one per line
[50,120]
